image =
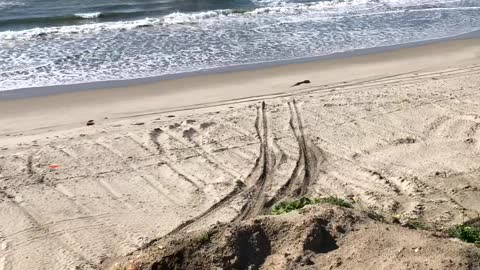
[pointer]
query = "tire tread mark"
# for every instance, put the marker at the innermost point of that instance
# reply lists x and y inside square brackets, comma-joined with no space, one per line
[247,188]
[141,175]
[39,227]
[256,198]
[197,183]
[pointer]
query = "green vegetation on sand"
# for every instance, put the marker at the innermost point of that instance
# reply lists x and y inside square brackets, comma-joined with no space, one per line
[467,233]
[288,206]
[203,238]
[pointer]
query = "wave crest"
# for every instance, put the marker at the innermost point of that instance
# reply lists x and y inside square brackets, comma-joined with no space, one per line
[9,4]
[92,15]
[182,18]
[277,8]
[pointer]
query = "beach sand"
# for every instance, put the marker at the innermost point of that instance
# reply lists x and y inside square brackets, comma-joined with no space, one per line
[396,132]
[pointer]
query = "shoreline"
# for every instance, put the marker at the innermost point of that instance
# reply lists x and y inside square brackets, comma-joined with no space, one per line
[71,108]
[22,93]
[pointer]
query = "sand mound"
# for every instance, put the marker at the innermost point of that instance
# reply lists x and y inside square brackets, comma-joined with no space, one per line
[320,237]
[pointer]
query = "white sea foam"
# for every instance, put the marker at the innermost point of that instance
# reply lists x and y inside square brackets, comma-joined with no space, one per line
[76,29]
[91,15]
[183,18]
[7,4]
[219,38]
[273,7]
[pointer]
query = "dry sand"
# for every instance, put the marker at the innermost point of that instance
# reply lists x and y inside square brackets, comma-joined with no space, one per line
[320,237]
[396,132]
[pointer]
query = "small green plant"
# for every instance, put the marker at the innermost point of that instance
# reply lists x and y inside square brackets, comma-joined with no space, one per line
[288,206]
[204,238]
[466,233]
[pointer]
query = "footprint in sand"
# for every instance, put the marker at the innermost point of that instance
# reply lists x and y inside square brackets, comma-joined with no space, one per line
[188,133]
[207,125]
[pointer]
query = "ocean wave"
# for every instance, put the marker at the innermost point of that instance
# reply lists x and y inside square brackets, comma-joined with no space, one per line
[92,15]
[49,20]
[269,2]
[174,18]
[76,29]
[219,38]
[184,18]
[326,8]
[8,4]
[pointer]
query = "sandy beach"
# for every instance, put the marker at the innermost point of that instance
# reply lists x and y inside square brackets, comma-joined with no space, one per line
[396,132]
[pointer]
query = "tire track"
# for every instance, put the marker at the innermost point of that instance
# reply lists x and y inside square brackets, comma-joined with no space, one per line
[37,224]
[202,153]
[237,150]
[241,133]
[256,197]
[407,189]
[160,190]
[393,79]
[313,156]
[88,218]
[164,160]
[325,91]
[351,119]
[224,202]
[92,222]
[414,106]
[310,158]
[112,193]
[252,188]
[4,263]
[4,256]
[287,148]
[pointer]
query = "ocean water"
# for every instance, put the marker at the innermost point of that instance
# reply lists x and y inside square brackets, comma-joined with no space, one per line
[57,42]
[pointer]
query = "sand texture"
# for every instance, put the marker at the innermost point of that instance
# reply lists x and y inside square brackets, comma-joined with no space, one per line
[320,237]
[404,142]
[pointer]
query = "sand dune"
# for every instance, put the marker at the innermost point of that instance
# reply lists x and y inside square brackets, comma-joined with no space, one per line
[404,143]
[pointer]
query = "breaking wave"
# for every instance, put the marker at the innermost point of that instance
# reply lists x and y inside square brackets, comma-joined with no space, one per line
[276,8]
[92,15]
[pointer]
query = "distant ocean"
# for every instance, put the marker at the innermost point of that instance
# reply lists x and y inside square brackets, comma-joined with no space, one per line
[53,42]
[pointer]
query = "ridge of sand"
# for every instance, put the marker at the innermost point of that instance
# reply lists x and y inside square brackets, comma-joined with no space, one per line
[396,132]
